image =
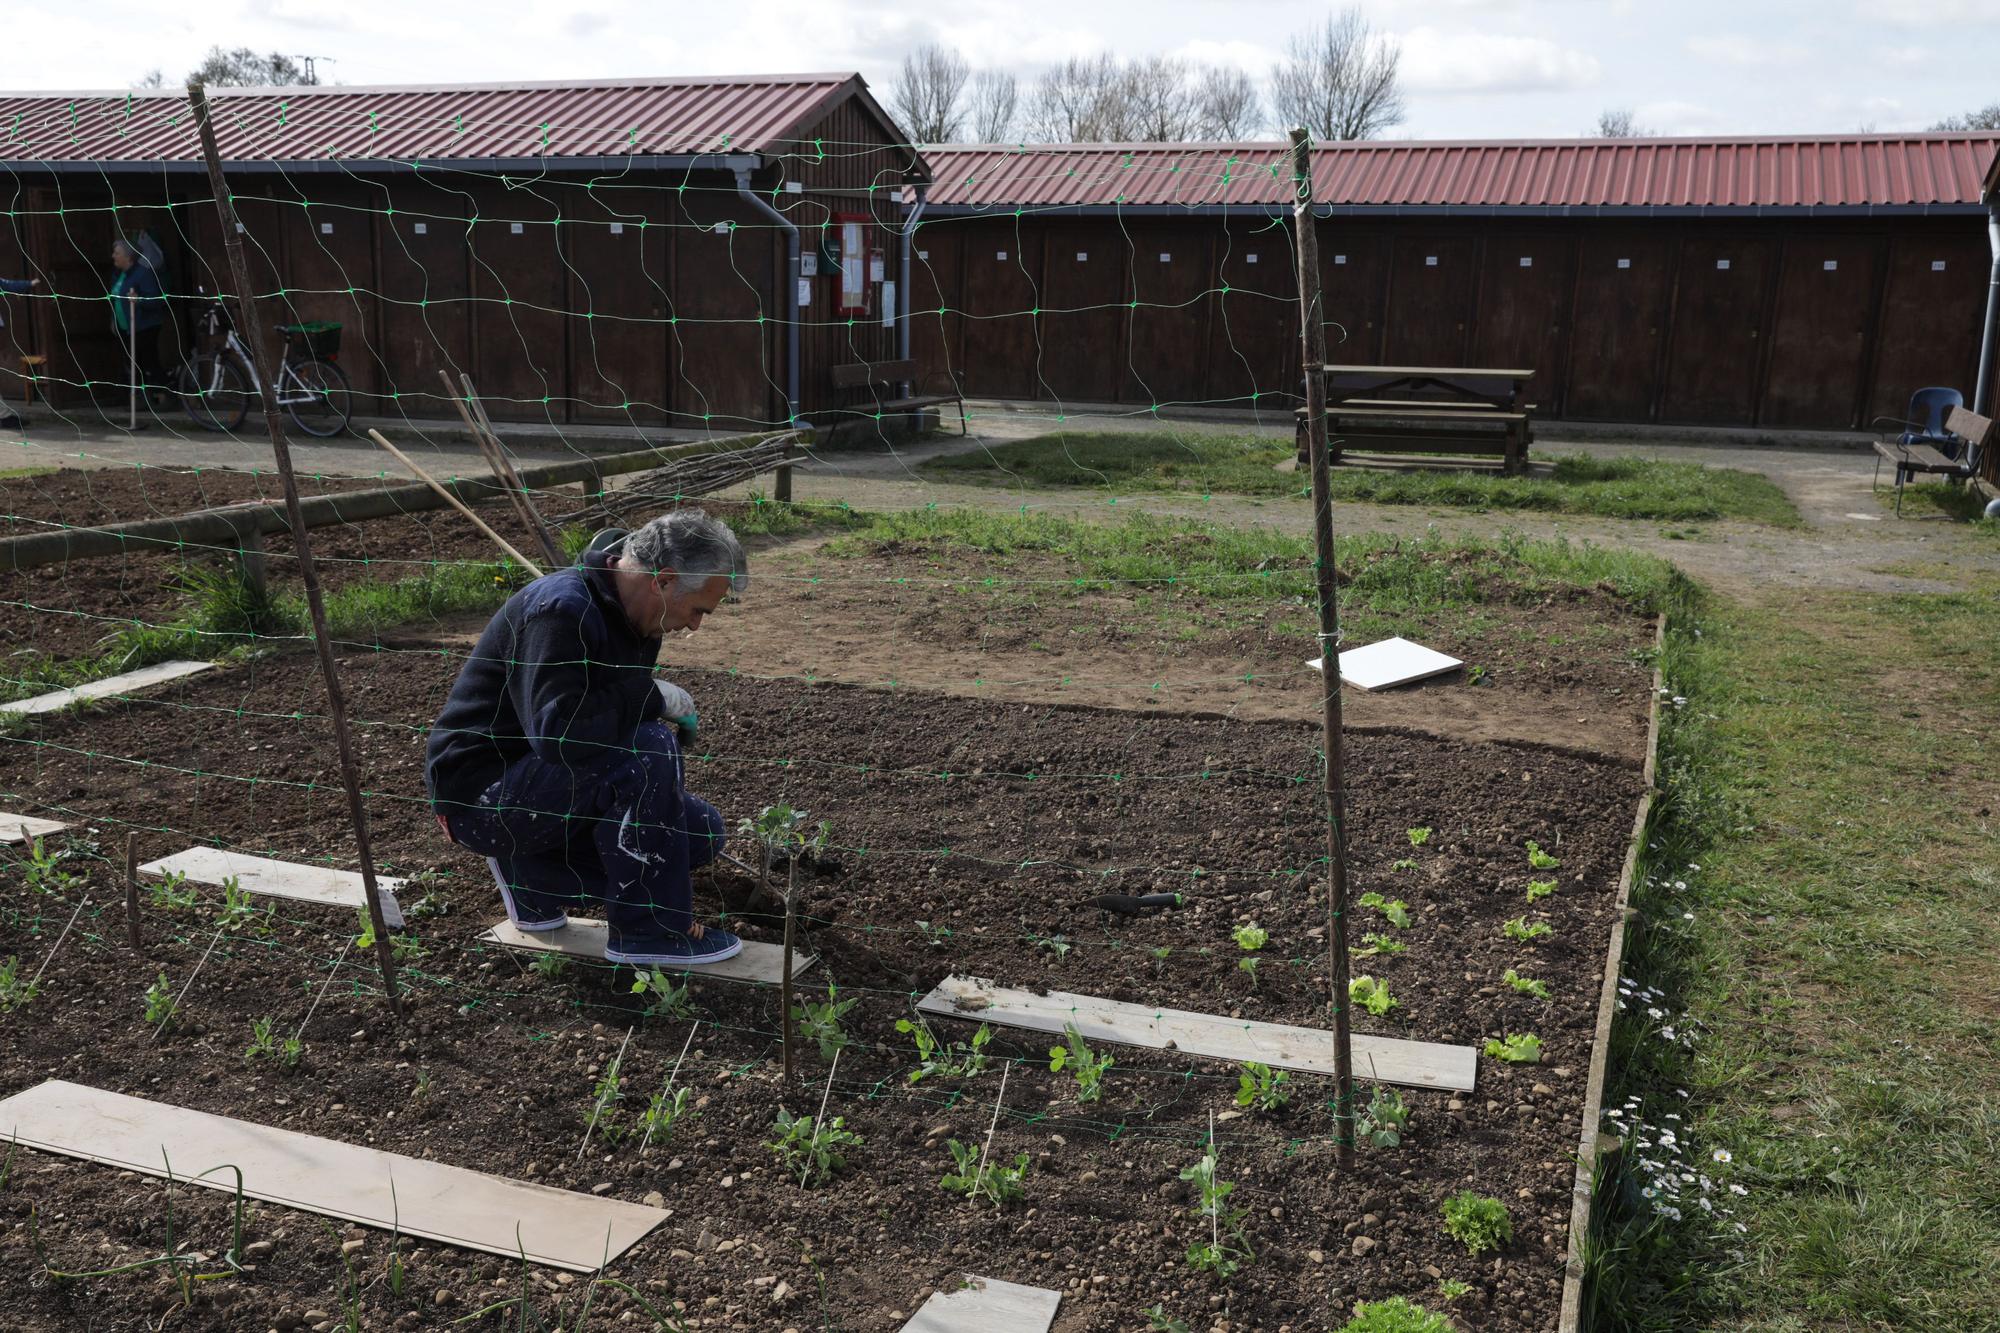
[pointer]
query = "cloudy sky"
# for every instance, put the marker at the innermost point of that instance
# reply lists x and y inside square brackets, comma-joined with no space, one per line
[1471,68]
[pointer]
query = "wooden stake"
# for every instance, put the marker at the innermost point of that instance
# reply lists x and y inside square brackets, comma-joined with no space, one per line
[819,1121]
[998,1102]
[132,893]
[1313,330]
[455,503]
[617,1068]
[672,1074]
[257,337]
[785,980]
[510,484]
[506,467]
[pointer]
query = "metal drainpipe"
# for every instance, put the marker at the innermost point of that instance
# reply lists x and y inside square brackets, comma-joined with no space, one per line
[791,293]
[903,287]
[1982,397]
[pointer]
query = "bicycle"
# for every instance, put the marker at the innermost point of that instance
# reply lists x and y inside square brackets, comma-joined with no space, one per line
[218,387]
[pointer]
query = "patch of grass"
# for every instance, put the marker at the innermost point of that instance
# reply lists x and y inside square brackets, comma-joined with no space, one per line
[1634,488]
[1822,895]
[1929,498]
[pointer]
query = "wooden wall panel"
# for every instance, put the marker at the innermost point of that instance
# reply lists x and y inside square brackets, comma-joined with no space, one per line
[614,241]
[1618,325]
[1081,328]
[1172,279]
[1002,355]
[1431,286]
[1820,345]
[424,294]
[1524,301]
[1253,358]
[1930,318]
[1722,297]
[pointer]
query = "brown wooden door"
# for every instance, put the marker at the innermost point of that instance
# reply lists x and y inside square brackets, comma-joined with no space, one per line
[1253,343]
[1722,295]
[615,239]
[1819,347]
[1354,279]
[936,319]
[1082,326]
[519,296]
[728,373]
[1430,301]
[1524,296]
[1172,272]
[330,277]
[1622,287]
[18,338]
[1931,311]
[1000,294]
[424,252]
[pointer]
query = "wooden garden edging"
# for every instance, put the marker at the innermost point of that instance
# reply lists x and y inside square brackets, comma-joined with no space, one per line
[1571,1318]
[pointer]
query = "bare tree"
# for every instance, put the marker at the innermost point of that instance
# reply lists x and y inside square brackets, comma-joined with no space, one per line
[152,79]
[1164,100]
[1228,104]
[1618,122]
[1986,118]
[996,96]
[928,98]
[1082,101]
[244,68]
[1339,80]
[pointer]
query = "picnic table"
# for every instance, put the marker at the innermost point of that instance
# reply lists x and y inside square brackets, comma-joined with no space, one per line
[1426,409]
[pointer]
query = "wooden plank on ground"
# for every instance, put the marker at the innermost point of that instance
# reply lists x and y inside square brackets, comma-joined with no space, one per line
[759,963]
[1413,1064]
[11,826]
[987,1305]
[110,686]
[281,879]
[578,1232]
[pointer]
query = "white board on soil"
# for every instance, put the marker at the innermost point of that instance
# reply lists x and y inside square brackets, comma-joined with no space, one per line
[987,1305]
[11,826]
[281,879]
[109,686]
[1413,1064]
[584,937]
[1390,662]
[579,1232]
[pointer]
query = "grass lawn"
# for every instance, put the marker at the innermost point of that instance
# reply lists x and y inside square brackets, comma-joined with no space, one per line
[1246,465]
[1822,903]
[1925,499]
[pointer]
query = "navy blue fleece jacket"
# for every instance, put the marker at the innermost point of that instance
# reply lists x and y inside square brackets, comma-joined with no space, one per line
[559,674]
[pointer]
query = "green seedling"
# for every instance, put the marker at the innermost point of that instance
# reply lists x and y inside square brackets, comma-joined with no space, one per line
[1452,1288]
[820,1023]
[935,936]
[1407,863]
[159,1003]
[1540,859]
[1418,836]
[814,1153]
[1371,995]
[665,998]
[1249,964]
[780,830]
[1059,945]
[992,1180]
[1520,1048]
[1159,1321]
[426,1084]
[1539,889]
[43,870]
[171,892]
[1395,909]
[364,941]
[407,948]
[1475,675]
[240,913]
[1520,931]
[1526,985]
[957,1060]
[1383,1120]
[14,992]
[663,1112]
[1395,1315]
[1227,1248]
[1159,954]
[1374,942]
[1260,1086]
[1477,1222]
[265,1044]
[1085,1064]
[604,1100]
[549,966]
[1250,938]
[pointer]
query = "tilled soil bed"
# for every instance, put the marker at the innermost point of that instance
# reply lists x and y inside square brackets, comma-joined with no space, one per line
[964,835]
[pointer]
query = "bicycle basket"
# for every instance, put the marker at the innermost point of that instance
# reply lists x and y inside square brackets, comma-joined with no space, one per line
[320,340]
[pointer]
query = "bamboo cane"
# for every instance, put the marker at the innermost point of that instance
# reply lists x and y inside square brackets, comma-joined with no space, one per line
[455,503]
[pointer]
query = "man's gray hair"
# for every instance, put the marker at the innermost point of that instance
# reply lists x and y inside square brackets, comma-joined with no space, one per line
[690,543]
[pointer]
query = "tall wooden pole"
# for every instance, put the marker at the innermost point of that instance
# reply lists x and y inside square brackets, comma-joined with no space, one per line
[1313,330]
[257,338]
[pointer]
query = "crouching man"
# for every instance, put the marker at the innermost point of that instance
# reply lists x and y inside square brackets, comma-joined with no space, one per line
[555,756]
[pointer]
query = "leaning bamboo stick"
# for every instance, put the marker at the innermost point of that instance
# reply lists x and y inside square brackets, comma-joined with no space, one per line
[455,503]
[486,452]
[493,437]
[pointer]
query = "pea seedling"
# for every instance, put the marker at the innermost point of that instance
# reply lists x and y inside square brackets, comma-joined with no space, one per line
[663,1112]
[990,1180]
[44,872]
[15,992]
[820,1023]
[240,912]
[265,1044]
[159,1003]
[1260,1086]
[1526,985]
[1085,1064]
[1477,1222]
[1159,1321]
[549,966]
[1540,859]
[1395,909]
[665,998]
[813,1152]
[170,893]
[1519,930]
[1371,995]
[1227,1249]
[781,830]
[957,1060]
[1382,1121]
[1520,1048]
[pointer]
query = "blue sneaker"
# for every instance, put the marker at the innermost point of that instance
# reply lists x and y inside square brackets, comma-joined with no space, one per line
[670,948]
[525,907]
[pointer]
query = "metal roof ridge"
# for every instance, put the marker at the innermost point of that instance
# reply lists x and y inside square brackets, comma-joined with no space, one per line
[525,85]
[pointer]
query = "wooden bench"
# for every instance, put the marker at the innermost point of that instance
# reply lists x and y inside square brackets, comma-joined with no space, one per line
[1917,460]
[1425,409]
[892,376]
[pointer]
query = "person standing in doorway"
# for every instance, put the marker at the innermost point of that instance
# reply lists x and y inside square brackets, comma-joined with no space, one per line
[138,309]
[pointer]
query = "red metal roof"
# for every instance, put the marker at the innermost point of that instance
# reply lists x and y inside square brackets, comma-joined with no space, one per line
[1852,171]
[600,118]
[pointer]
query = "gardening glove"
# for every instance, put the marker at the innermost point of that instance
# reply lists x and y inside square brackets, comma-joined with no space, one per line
[678,706]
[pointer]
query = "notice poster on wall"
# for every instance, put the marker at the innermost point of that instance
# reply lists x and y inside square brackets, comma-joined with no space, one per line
[853,264]
[888,304]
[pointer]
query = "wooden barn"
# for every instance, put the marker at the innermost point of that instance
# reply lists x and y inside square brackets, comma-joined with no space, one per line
[643,251]
[1795,283]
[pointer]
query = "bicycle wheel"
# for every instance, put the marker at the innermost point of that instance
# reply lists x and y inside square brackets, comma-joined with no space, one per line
[215,392]
[320,401]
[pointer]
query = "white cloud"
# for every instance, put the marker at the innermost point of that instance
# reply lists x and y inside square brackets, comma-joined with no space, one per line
[1458,62]
[1240,54]
[1927,13]
[1673,118]
[1729,48]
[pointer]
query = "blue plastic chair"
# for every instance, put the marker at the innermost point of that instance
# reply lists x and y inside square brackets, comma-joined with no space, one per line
[1930,406]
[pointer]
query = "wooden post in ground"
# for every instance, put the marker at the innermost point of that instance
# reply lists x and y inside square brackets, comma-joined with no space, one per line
[132,893]
[257,337]
[1313,329]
